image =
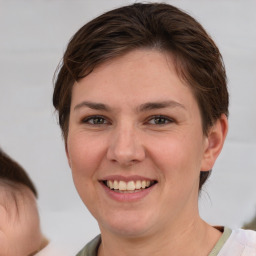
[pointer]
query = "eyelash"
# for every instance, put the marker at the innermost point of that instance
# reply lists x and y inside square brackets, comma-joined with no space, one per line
[166,120]
[91,120]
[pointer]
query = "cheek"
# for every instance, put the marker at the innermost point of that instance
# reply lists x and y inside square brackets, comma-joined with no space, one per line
[178,157]
[23,232]
[85,154]
[4,243]
[179,168]
[3,231]
[3,218]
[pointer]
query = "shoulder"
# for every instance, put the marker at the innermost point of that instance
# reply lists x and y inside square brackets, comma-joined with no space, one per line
[91,248]
[240,243]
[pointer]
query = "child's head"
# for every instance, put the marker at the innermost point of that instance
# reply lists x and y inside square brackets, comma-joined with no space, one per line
[20,233]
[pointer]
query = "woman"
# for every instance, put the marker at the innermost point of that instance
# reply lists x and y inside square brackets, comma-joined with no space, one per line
[143,106]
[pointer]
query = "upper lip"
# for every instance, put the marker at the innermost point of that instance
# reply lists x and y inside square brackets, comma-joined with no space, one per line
[126,178]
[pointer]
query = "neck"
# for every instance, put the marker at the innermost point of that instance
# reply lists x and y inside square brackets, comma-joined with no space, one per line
[196,238]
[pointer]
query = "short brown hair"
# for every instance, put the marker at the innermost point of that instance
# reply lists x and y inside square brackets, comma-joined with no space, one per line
[12,174]
[155,26]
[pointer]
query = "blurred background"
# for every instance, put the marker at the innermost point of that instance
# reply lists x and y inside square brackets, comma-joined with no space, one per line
[33,37]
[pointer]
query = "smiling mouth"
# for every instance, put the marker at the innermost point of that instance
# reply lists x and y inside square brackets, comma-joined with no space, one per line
[130,186]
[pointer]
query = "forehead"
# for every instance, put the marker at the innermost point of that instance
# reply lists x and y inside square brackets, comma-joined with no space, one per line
[136,76]
[15,200]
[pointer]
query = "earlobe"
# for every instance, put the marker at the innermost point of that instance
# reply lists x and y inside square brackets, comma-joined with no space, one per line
[215,141]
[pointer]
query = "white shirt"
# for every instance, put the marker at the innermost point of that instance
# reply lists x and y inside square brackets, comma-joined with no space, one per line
[51,250]
[240,243]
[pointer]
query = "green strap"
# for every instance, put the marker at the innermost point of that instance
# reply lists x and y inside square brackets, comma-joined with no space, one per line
[226,234]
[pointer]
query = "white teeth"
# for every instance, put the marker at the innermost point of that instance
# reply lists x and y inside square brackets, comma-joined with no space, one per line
[122,185]
[138,184]
[110,184]
[116,186]
[128,186]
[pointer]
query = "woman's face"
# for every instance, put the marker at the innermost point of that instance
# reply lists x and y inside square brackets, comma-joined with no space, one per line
[134,123]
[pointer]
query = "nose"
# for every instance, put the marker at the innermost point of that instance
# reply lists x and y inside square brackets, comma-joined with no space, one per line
[126,147]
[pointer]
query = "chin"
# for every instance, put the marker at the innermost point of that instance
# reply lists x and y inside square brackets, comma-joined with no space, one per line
[127,225]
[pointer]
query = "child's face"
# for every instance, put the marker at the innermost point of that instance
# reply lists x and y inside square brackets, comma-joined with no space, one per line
[20,233]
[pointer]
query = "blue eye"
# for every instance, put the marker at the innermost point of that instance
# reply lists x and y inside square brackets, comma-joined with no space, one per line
[95,120]
[160,120]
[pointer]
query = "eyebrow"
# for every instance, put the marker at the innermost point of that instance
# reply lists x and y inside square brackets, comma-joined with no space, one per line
[142,108]
[159,105]
[92,105]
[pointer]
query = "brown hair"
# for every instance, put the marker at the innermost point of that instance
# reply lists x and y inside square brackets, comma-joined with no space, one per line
[155,26]
[12,174]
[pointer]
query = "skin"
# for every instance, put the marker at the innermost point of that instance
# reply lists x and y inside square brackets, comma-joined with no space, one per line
[129,140]
[20,233]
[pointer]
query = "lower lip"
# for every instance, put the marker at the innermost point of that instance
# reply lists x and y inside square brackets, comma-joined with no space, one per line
[127,197]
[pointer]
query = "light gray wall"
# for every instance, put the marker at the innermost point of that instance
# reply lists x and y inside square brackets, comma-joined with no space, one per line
[34,35]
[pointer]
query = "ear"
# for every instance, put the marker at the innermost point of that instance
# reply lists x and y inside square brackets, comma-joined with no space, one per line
[214,142]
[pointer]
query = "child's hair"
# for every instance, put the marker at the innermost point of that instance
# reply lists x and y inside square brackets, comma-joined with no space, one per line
[13,175]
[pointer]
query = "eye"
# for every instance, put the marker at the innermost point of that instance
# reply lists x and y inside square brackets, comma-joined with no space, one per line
[160,120]
[95,120]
